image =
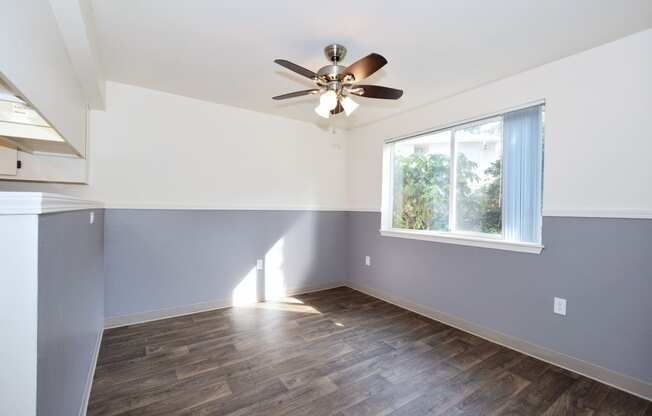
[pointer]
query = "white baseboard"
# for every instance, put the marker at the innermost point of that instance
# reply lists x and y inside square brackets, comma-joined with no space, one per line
[311,289]
[91,375]
[155,315]
[620,381]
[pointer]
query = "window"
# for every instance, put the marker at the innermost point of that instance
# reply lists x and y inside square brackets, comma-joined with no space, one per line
[477,183]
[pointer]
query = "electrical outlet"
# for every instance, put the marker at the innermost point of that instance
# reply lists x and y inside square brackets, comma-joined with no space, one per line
[560,306]
[259,264]
[367,261]
[91,219]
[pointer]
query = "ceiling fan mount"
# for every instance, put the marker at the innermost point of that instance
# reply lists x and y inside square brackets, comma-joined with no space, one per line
[335,52]
[337,82]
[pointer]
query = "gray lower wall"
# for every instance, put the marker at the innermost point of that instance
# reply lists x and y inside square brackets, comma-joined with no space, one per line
[603,267]
[165,259]
[70,308]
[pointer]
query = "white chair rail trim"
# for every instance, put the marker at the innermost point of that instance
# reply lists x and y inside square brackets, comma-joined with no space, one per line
[34,203]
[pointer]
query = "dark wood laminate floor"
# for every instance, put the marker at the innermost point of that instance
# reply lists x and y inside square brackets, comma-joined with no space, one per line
[334,352]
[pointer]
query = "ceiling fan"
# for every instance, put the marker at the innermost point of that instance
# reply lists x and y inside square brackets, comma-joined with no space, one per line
[336,83]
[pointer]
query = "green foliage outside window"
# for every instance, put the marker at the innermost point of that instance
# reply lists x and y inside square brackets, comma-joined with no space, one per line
[421,197]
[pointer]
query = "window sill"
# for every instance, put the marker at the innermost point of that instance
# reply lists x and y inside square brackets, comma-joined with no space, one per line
[464,240]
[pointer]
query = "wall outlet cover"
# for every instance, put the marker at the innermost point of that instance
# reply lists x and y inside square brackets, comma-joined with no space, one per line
[259,264]
[367,261]
[560,306]
[91,219]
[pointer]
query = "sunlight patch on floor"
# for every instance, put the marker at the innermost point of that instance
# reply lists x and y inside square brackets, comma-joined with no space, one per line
[284,306]
[289,300]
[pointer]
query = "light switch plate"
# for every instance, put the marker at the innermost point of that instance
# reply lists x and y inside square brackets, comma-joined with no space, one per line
[367,261]
[91,218]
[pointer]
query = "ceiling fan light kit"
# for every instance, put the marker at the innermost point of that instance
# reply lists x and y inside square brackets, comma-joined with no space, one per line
[349,105]
[328,100]
[336,82]
[322,111]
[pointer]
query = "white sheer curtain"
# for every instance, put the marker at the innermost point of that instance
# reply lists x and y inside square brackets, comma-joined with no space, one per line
[522,174]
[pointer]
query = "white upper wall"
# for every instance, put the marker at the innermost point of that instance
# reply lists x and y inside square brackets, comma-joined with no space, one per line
[34,59]
[153,149]
[598,140]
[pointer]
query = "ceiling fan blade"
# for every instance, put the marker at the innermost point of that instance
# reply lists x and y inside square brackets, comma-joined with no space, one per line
[366,66]
[377,91]
[337,109]
[295,94]
[297,68]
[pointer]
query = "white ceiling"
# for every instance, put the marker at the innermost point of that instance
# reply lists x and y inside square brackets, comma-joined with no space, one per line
[223,51]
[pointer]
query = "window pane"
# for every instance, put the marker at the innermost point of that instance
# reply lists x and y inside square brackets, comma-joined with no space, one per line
[421,173]
[478,160]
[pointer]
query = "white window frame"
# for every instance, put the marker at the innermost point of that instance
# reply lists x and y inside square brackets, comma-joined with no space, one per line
[457,237]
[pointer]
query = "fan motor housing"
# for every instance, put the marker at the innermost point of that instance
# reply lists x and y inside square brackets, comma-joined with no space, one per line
[332,72]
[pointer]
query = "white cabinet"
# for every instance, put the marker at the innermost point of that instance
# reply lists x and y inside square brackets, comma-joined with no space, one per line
[27,137]
[8,158]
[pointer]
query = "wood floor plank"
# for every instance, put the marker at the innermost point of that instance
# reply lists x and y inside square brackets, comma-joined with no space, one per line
[376,364]
[231,404]
[490,398]
[582,399]
[187,400]
[338,369]
[245,381]
[163,401]
[343,398]
[473,355]
[403,370]
[418,334]
[286,402]
[530,368]
[539,395]
[453,391]
[332,352]
[619,403]
[401,393]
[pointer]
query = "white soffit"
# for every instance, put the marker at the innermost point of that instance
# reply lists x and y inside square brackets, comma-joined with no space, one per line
[77,27]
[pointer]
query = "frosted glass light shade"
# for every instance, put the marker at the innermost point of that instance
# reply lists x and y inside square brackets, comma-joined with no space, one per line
[322,111]
[328,100]
[349,105]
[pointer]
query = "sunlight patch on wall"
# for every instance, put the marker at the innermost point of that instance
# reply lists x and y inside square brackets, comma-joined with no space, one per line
[274,274]
[246,292]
